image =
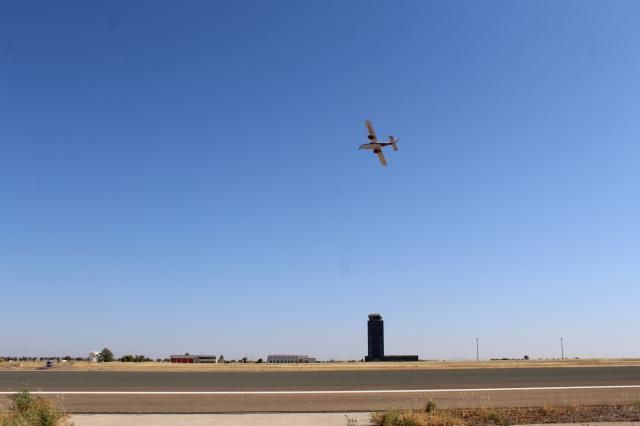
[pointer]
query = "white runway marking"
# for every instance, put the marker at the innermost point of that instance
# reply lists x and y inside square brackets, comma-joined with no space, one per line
[325,392]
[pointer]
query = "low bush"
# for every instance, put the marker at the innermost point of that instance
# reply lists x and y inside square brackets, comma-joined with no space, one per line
[417,418]
[27,410]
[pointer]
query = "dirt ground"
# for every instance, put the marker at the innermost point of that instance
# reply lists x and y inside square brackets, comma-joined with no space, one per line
[321,366]
[562,414]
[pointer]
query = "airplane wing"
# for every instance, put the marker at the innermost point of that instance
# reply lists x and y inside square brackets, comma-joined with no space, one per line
[383,161]
[372,133]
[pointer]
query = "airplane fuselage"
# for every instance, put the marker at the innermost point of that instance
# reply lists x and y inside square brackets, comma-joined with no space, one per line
[374,146]
[371,146]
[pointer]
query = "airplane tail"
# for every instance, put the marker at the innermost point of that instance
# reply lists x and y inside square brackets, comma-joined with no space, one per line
[393,142]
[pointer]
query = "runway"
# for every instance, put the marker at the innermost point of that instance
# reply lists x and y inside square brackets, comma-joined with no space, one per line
[219,392]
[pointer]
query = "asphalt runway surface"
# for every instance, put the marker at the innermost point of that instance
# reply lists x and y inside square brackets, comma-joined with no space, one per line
[219,392]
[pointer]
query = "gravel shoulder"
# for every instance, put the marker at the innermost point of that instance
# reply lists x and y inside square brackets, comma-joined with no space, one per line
[306,419]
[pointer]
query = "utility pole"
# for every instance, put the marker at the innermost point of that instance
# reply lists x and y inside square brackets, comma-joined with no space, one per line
[562,347]
[477,350]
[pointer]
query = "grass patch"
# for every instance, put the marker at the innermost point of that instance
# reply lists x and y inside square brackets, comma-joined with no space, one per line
[321,366]
[27,410]
[431,415]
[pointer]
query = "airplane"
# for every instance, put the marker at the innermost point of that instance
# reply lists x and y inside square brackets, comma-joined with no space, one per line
[377,146]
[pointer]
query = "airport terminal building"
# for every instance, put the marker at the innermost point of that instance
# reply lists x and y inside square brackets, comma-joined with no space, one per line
[289,359]
[193,359]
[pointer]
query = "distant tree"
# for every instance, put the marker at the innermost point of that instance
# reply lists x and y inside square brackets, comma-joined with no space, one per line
[67,358]
[105,355]
[158,359]
[134,358]
[244,360]
[259,361]
[526,357]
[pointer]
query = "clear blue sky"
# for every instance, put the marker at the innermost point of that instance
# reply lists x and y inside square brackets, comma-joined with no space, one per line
[184,177]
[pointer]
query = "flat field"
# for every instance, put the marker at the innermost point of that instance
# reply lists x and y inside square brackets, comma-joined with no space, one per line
[320,366]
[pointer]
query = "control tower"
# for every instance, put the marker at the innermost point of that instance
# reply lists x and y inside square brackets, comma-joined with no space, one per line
[375,331]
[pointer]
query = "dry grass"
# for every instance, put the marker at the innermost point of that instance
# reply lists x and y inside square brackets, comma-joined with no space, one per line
[509,416]
[396,418]
[328,366]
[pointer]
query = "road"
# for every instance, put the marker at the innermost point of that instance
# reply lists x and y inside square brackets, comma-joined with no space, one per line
[214,392]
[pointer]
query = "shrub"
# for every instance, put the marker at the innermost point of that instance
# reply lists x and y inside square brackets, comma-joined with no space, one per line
[26,410]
